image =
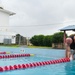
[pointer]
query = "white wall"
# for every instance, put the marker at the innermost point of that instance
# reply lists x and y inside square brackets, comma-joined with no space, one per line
[4,21]
[4,29]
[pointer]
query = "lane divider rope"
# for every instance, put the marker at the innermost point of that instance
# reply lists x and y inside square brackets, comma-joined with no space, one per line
[15,55]
[4,52]
[34,64]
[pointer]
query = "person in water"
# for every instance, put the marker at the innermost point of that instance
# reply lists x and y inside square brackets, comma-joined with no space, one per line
[70,44]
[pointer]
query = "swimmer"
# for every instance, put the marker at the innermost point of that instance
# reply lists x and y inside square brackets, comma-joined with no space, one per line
[70,44]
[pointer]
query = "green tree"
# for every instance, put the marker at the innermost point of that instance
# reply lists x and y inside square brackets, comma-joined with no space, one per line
[40,40]
[47,40]
[58,37]
[34,40]
[37,40]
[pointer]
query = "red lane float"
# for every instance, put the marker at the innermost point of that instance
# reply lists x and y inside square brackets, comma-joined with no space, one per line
[35,64]
[4,52]
[15,55]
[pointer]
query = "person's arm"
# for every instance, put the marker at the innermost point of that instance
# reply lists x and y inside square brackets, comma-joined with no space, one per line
[68,53]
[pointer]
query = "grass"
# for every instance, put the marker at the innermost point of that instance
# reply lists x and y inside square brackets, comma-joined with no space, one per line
[10,45]
[38,47]
[26,46]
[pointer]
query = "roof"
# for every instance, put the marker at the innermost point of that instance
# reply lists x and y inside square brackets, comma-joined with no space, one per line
[6,11]
[70,27]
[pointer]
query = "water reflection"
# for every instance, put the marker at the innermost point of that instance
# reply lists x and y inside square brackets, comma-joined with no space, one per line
[70,68]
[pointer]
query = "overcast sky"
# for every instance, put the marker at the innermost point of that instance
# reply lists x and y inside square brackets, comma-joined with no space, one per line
[35,17]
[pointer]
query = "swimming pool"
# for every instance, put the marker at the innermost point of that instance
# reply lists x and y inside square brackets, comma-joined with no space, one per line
[40,55]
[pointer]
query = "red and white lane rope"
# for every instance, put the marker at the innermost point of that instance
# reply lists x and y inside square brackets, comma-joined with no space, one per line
[4,52]
[35,64]
[15,55]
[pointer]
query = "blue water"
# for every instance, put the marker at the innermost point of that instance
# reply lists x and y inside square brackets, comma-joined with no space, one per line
[40,55]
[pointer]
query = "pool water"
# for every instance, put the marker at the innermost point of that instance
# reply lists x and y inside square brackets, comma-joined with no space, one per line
[40,55]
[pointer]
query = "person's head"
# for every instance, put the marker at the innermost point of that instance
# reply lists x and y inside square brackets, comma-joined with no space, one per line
[68,41]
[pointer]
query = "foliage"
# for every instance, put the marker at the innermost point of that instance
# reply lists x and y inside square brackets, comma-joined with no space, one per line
[58,37]
[37,40]
[47,40]
[41,40]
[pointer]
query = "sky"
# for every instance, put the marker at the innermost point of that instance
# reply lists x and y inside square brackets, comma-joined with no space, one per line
[36,17]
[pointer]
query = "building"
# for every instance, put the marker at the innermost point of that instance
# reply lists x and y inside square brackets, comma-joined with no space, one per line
[5,34]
